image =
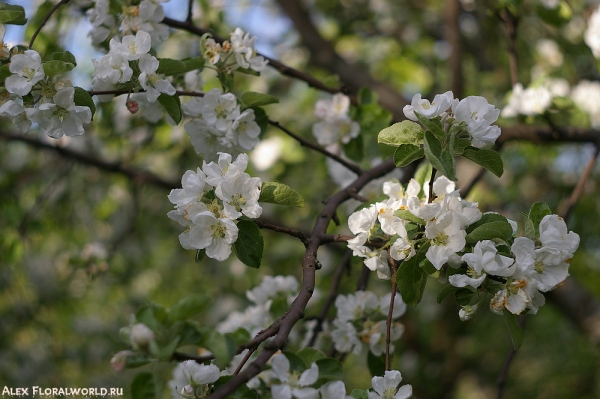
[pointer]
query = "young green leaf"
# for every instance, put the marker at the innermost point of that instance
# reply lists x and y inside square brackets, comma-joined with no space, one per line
[354,149]
[330,369]
[311,355]
[498,229]
[64,56]
[83,98]
[405,132]
[440,158]
[261,119]
[376,364]
[360,394]
[528,228]
[405,214]
[172,105]
[253,99]
[279,193]
[433,125]
[221,346]
[56,67]
[405,154]
[12,15]
[168,66]
[192,64]
[143,386]
[296,362]
[249,245]
[423,175]
[463,296]
[536,214]
[412,278]
[489,159]
[446,291]
[187,307]
[200,254]
[514,329]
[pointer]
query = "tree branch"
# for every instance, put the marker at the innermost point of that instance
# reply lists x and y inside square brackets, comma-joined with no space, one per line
[45,20]
[453,37]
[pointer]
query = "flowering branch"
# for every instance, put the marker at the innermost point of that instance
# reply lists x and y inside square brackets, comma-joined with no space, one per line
[388,331]
[294,233]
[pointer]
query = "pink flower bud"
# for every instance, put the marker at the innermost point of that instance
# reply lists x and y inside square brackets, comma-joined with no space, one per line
[117,363]
[132,106]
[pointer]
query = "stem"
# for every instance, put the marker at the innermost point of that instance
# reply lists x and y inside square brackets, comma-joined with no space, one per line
[269,226]
[46,18]
[388,332]
[580,185]
[431,196]
[244,360]
[190,11]
[351,166]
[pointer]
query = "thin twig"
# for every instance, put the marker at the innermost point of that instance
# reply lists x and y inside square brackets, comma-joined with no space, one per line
[279,229]
[388,331]
[508,361]
[580,185]
[244,361]
[180,357]
[46,18]
[188,20]
[121,92]
[349,165]
[335,285]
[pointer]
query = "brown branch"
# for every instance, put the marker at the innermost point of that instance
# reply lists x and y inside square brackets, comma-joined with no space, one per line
[388,331]
[323,55]
[113,167]
[511,23]
[305,143]
[335,285]
[190,11]
[244,361]
[453,37]
[578,191]
[182,357]
[45,20]
[273,63]
[121,92]
[279,229]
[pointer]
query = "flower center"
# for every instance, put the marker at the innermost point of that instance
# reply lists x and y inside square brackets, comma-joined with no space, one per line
[539,267]
[389,393]
[218,230]
[441,239]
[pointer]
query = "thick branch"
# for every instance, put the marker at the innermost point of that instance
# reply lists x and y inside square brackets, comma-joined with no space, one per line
[454,38]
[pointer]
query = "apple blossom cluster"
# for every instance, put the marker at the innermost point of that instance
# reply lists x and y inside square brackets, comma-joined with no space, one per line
[592,33]
[533,266]
[48,99]
[383,228]
[193,380]
[474,111]
[117,68]
[145,16]
[238,52]
[336,124]
[361,317]
[211,201]
[534,100]
[218,124]
[259,315]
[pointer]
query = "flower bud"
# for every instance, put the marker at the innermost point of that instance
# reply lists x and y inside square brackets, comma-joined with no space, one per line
[467,312]
[132,106]
[118,361]
[140,335]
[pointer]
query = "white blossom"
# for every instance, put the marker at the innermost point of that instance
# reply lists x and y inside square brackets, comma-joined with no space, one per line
[215,235]
[26,71]
[293,384]
[220,109]
[153,83]
[479,116]
[592,33]
[62,117]
[140,335]
[388,387]
[132,46]
[439,105]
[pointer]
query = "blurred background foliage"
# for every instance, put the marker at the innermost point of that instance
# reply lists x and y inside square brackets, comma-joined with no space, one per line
[81,248]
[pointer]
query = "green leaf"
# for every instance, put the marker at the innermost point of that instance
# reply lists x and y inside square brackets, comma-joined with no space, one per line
[354,149]
[330,369]
[242,392]
[189,334]
[279,193]
[261,119]
[152,315]
[240,336]
[249,245]
[486,218]
[200,254]
[64,56]
[83,98]
[405,132]
[311,355]
[536,214]
[439,158]
[557,16]
[56,67]
[192,64]
[376,364]
[446,291]
[463,296]
[528,228]
[143,386]
[166,352]
[406,154]
[460,145]
[168,66]
[248,71]
[498,229]
[12,15]
[137,360]
[405,214]
[366,96]
[412,278]
[426,265]
[253,99]
[423,175]
[187,307]
[221,346]
[227,81]
[172,105]
[296,362]
[4,72]
[514,329]
[489,159]
[433,125]
[359,394]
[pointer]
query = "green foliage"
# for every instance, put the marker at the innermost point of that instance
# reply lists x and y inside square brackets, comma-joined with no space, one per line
[169,67]
[82,98]
[514,329]
[441,159]
[12,14]
[253,99]
[56,67]
[65,56]
[376,364]
[412,278]
[249,245]
[186,307]
[536,214]
[172,105]
[405,132]
[489,159]
[143,387]
[406,154]
[279,193]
